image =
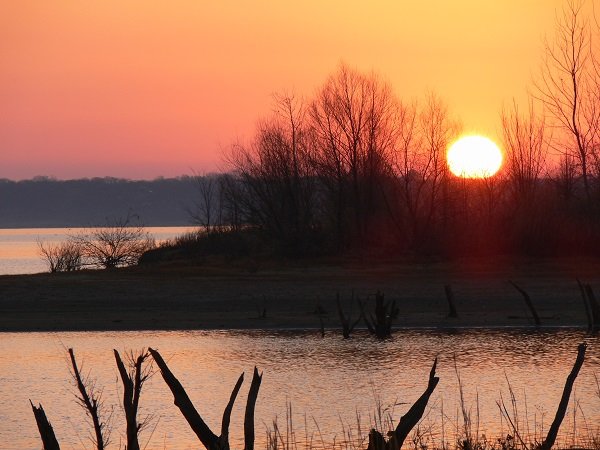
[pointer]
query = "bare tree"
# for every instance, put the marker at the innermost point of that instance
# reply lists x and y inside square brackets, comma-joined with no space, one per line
[419,165]
[208,210]
[569,89]
[353,118]
[61,257]
[119,243]
[277,190]
[565,175]
[231,195]
[526,148]
[525,198]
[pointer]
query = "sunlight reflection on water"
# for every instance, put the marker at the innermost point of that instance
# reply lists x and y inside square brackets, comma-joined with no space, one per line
[328,379]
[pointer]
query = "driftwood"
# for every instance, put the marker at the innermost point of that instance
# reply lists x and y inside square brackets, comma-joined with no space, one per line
[347,324]
[209,439]
[529,304]
[132,388]
[450,297]
[91,403]
[408,421]
[45,428]
[564,401]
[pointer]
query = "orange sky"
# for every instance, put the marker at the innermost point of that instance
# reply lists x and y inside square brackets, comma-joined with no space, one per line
[150,88]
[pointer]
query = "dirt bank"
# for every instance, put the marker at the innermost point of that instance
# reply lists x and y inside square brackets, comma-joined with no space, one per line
[292,294]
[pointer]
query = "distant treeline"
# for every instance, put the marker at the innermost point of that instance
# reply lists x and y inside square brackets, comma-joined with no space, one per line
[46,202]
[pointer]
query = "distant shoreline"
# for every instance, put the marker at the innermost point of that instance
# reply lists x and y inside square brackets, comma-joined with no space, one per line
[295,297]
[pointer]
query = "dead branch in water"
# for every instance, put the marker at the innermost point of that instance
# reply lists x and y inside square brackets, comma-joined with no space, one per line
[209,439]
[90,402]
[381,324]
[347,324]
[133,380]
[249,413]
[407,421]
[529,304]
[45,428]
[564,401]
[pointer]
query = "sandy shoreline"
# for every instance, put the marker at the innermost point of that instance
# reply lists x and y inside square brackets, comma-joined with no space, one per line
[296,296]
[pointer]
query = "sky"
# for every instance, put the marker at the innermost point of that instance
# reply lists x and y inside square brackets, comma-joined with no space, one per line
[149,88]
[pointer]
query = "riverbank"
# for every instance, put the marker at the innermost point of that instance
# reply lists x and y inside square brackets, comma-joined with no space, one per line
[297,296]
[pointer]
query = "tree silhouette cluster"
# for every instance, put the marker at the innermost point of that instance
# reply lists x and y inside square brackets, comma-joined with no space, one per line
[356,169]
[119,243]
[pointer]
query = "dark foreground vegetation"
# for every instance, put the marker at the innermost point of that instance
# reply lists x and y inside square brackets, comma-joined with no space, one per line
[140,366]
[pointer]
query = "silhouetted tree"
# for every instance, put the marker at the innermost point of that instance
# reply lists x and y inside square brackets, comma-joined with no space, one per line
[278,191]
[527,199]
[569,87]
[231,201]
[353,117]
[61,257]
[119,243]
[526,148]
[207,210]
[420,169]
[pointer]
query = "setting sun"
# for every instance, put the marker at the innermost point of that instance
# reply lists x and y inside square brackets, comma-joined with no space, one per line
[474,157]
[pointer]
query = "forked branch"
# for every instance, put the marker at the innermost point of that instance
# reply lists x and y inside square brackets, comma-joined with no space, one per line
[209,439]
[91,402]
[132,388]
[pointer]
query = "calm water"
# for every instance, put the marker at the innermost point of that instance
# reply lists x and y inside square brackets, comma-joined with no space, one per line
[19,248]
[327,381]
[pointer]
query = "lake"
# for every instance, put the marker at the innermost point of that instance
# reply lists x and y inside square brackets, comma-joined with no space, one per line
[19,246]
[328,382]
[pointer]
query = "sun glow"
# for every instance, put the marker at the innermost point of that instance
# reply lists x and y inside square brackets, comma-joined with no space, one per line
[474,157]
